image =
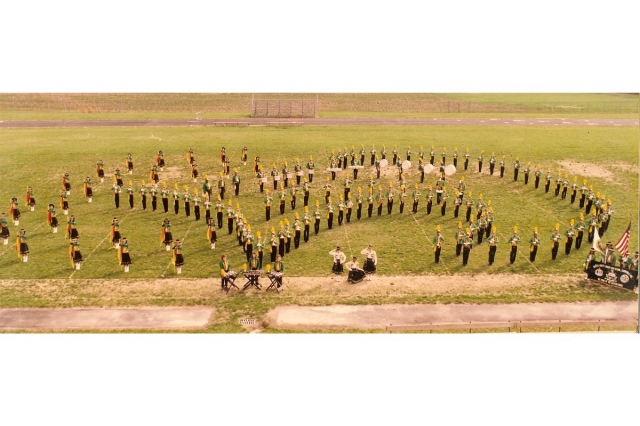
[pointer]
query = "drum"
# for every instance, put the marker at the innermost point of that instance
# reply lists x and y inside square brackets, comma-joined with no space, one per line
[428,168]
[449,170]
[276,178]
[310,171]
[384,163]
[264,180]
[300,173]
[289,175]
[406,164]
[356,276]
[231,274]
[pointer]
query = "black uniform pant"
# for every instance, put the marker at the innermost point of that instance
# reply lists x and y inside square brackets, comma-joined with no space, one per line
[564,192]
[296,239]
[373,159]
[293,203]
[207,215]
[327,194]
[359,211]
[465,255]
[466,164]
[437,253]
[237,188]
[487,230]
[573,197]
[340,217]
[378,173]
[468,217]
[432,159]
[532,253]
[310,178]
[526,178]
[196,212]
[275,186]
[249,251]
[116,198]
[582,198]
[389,206]
[154,203]
[261,186]
[379,209]
[281,247]
[230,225]
[491,167]
[355,174]
[579,239]
[479,166]
[443,209]
[274,253]
[515,174]
[330,221]
[414,207]
[333,175]
[395,158]
[512,255]
[282,207]
[176,206]
[537,181]
[165,205]
[348,215]
[316,226]
[131,200]
[267,213]
[144,202]
[305,234]
[286,183]
[298,180]
[456,209]
[287,245]
[346,193]
[401,207]
[557,190]
[567,245]
[455,162]
[187,209]
[458,249]
[422,176]
[501,171]
[438,197]
[480,235]
[587,209]
[554,250]
[222,191]
[546,186]
[306,199]
[492,253]
[590,234]
[370,210]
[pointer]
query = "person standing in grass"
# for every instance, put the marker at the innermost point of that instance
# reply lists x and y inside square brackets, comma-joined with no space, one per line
[74,253]
[460,236]
[569,234]
[480,157]
[187,203]
[502,162]
[555,241]
[211,233]
[537,175]
[21,246]
[317,215]
[165,197]
[235,181]
[14,211]
[178,257]
[165,234]
[514,240]
[467,245]
[130,163]
[437,244]
[339,259]
[493,241]
[492,163]
[547,181]
[273,242]
[154,197]
[527,169]
[88,191]
[4,229]
[516,169]
[534,241]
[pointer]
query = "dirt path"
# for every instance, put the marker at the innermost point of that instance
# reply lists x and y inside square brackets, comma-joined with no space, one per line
[380,316]
[104,319]
[323,122]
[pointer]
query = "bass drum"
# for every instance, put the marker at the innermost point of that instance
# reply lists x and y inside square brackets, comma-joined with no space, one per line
[384,163]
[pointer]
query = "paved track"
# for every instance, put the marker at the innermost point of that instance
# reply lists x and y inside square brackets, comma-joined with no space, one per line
[380,316]
[324,122]
[101,319]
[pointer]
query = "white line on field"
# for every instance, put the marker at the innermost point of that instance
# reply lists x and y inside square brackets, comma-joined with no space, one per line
[96,248]
[425,234]
[171,261]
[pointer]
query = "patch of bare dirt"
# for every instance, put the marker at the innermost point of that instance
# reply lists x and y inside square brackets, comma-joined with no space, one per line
[582,169]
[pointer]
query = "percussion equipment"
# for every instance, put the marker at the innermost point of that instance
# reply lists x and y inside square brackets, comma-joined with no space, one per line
[310,171]
[356,167]
[276,178]
[252,279]
[256,273]
[449,170]
[231,274]
[428,168]
[299,173]
[406,164]
[289,175]
[384,163]
[264,179]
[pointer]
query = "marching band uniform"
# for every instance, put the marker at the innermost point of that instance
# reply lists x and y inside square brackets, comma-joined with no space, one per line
[310,169]
[165,234]
[379,199]
[558,184]
[443,202]
[297,169]
[259,176]
[580,231]
[493,241]
[466,159]
[160,160]
[72,232]
[492,163]
[4,229]
[243,156]
[14,211]
[221,187]
[377,166]
[555,238]
[327,191]
[469,207]
[248,243]
[416,199]
[256,165]
[66,183]
[143,195]
[565,186]
[527,169]
[287,234]
[590,198]
[196,205]
[206,186]
[282,240]
[235,181]
[489,221]
[307,223]
[117,178]
[225,267]
[590,258]
[176,200]
[285,172]
[389,196]
[292,196]
[467,245]
[429,200]
[608,256]
[341,207]
[460,236]
[153,175]
[347,187]
[583,193]
[395,154]
[260,247]
[371,261]
[219,212]
[124,257]
[516,168]
[537,175]
[514,245]
[370,203]
[349,207]
[207,208]
[100,170]
[230,216]
[278,268]
[432,155]
[480,162]
[30,200]
[273,241]
[211,233]
[297,228]
[569,233]
[455,158]
[130,191]
[373,154]
[383,153]
[437,244]
[547,181]
[283,199]
[178,257]
[533,245]
[482,226]
[74,253]
[339,259]
[114,234]
[330,215]
[154,197]
[130,163]
[165,198]
[64,203]
[187,203]
[355,274]
[574,189]
[316,215]
[21,246]
[444,156]
[502,166]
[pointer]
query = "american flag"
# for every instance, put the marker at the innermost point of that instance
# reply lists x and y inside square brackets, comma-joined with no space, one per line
[623,243]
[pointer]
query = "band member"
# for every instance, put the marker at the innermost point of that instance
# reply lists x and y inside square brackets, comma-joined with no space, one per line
[377,166]
[143,195]
[583,192]
[482,226]
[282,240]
[74,253]
[527,169]
[225,272]
[223,155]
[164,193]
[492,163]
[21,246]
[72,231]
[593,224]
[230,216]
[379,200]
[178,257]
[580,231]
[547,181]
[297,169]
[516,168]
[460,236]
[339,259]
[292,196]
[282,198]
[305,188]
[14,210]
[591,257]
[4,229]
[275,175]
[347,187]
[569,234]
[327,191]
[165,234]
[395,154]
[489,220]
[310,169]
[415,195]
[514,240]
[373,154]
[330,215]
[558,183]
[160,161]
[287,236]
[176,199]
[432,155]
[608,256]
[243,155]
[443,201]
[370,262]
[221,186]
[186,198]
[316,215]
[130,163]
[633,265]
[196,204]
[341,206]
[590,197]
[285,174]
[114,234]
[370,203]
[574,189]
[444,156]
[466,159]
[469,204]
[273,242]
[355,274]
[30,199]
[66,183]
[383,153]
[254,263]
[480,157]
[537,175]
[260,177]
[278,270]
[235,181]
[153,174]
[493,241]
[117,178]
[206,186]
[227,165]
[437,244]
[389,197]
[349,208]
[64,203]
[455,157]
[467,245]
[502,163]
[534,241]
[555,238]
[100,170]
[306,220]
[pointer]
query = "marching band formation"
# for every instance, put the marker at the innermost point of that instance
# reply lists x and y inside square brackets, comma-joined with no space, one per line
[290,184]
